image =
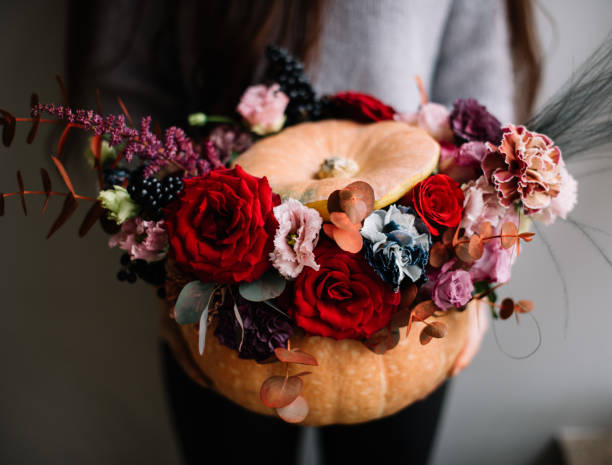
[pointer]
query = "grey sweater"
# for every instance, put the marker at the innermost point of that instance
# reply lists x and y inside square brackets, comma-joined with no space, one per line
[458,47]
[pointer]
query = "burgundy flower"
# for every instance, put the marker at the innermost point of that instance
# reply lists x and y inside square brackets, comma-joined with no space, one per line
[264,328]
[471,121]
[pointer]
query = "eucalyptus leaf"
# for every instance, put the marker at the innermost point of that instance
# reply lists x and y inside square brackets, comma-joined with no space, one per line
[203,325]
[269,286]
[192,301]
[241,324]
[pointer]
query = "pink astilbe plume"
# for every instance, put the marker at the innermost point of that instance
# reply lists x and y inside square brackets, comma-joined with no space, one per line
[176,148]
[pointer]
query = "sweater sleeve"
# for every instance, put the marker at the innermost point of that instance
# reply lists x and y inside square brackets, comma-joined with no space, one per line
[475,59]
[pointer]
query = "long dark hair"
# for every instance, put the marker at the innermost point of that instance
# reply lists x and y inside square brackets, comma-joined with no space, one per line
[228,38]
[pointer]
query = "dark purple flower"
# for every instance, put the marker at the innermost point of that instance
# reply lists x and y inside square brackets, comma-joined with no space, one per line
[471,121]
[265,329]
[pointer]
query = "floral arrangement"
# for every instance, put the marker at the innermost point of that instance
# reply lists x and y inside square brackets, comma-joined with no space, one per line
[227,251]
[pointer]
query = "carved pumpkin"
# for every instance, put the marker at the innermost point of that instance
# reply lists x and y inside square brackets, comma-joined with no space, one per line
[351,384]
[310,161]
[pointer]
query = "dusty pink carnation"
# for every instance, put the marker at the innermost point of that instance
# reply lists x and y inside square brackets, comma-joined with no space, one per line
[462,163]
[295,239]
[433,118]
[526,167]
[263,108]
[453,288]
[480,204]
[562,204]
[144,240]
[495,265]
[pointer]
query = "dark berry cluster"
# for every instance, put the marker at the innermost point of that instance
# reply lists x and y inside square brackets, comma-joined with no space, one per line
[288,72]
[153,194]
[152,273]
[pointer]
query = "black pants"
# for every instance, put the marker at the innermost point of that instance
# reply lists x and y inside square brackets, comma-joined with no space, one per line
[211,429]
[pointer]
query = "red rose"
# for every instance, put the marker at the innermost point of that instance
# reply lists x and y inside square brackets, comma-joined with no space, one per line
[344,299]
[222,227]
[438,200]
[360,107]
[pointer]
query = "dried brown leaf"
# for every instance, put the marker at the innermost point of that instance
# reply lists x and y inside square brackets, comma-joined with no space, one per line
[509,233]
[341,220]
[408,294]
[424,337]
[295,412]
[401,318]
[527,236]
[63,138]
[91,218]
[333,202]
[69,207]
[349,241]
[125,112]
[462,251]
[447,236]
[46,182]
[455,240]
[524,306]
[475,247]
[295,356]
[383,340]
[506,308]
[303,373]
[486,230]
[436,329]
[358,190]
[8,130]
[280,391]
[424,310]
[63,174]
[21,193]
[439,254]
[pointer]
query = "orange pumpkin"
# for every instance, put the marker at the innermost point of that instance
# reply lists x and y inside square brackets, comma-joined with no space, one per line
[311,160]
[351,384]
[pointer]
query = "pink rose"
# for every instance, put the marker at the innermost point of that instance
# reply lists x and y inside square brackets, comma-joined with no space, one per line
[453,288]
[433,118]
[481,204]
[263,108]
[144,240]
[562,204]
[295,239]
[462,163]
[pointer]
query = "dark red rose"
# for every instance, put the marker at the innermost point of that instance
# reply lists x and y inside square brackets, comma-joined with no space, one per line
[438,200]
[344,299]
[360,107]
[222,227]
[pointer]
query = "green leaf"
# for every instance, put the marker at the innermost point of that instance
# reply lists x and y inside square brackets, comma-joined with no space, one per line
[192,302]
[269,286]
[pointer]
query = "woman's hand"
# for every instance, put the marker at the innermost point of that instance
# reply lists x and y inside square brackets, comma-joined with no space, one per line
[478,324]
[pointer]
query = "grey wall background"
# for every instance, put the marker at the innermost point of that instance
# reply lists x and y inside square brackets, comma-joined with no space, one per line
[80,379]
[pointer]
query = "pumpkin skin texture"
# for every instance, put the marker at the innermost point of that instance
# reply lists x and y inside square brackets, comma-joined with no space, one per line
[391,156]
[351,383]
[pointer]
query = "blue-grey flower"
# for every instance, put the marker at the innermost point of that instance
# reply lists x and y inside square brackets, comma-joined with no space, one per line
[396,244]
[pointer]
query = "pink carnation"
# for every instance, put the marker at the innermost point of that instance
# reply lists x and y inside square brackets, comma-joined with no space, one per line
[562,204]
[295,239]
[263,108]
[526,167]
[433,118]
[453,288]
[144,240]
[481,204]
